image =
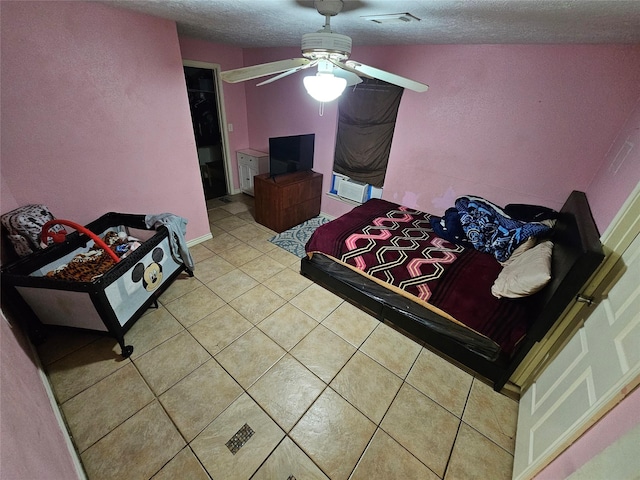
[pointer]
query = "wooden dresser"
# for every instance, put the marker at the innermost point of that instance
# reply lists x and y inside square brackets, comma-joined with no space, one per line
[287,200]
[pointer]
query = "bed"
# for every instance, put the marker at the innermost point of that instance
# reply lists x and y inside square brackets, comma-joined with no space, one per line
[388,260]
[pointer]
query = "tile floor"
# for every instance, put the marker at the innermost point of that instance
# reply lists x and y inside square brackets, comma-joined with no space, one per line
[249,370]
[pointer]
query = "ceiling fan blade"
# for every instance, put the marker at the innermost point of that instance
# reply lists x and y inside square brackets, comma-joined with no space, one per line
[351,78]
[348,68]
[387,76]
[288,72]
[255,71]
[351,75]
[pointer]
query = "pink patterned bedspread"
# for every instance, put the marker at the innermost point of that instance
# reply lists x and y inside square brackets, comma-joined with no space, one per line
[396,245]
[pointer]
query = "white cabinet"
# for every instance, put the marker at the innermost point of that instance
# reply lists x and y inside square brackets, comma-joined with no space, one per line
[251,163]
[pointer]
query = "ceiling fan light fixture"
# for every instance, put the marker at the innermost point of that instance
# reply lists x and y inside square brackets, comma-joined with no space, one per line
[324,87]
[329,51]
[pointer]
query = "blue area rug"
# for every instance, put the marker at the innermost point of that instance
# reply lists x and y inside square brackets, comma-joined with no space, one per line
[294,239]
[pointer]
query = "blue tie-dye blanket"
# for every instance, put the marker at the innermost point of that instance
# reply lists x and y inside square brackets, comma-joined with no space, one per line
[491,230]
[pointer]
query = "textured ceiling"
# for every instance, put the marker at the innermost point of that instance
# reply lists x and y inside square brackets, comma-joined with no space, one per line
[274,23]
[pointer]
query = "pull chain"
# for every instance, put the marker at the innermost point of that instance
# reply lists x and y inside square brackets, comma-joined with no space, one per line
[321,111]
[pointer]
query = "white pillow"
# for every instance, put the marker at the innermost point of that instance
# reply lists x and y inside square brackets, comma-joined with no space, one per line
[526,274]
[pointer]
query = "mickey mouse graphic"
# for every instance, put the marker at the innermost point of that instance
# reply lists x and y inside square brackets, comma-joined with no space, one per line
[151,275]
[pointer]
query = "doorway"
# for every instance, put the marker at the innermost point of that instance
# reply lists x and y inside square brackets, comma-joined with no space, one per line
[207,130]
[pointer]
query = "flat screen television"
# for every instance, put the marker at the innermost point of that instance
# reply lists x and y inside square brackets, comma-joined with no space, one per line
[291,154]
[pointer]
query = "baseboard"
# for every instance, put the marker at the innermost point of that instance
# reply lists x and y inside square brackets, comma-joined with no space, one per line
[327,216]
[77,464]
[196,241]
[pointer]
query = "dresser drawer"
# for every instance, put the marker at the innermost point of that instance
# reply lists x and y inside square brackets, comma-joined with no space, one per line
[302,191]
[247,159]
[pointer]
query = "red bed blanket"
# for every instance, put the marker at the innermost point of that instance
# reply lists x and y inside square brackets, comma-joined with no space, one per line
[396,245]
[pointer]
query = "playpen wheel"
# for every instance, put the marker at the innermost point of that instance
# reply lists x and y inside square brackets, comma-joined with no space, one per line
[127,350]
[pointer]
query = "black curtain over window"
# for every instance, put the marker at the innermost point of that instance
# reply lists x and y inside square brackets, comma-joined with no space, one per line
[366,121]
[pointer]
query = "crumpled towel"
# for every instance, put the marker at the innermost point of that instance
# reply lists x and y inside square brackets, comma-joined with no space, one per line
[177,227]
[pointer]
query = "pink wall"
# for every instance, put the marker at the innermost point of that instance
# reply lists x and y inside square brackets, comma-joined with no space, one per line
[512,123]
[7,199]
[619,173]
[234,94]
[32,445]
[99,117]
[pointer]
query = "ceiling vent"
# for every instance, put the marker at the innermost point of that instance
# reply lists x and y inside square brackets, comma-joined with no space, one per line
[392,18]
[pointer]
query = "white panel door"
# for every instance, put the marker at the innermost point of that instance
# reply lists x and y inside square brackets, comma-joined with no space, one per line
[587,374]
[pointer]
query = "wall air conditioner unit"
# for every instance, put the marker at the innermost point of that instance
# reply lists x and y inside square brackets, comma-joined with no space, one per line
[352,190]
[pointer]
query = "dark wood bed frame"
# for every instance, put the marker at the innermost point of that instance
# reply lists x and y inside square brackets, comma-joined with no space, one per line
[576,255]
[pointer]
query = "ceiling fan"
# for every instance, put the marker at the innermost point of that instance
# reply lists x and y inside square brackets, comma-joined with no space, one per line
[329,51]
